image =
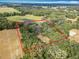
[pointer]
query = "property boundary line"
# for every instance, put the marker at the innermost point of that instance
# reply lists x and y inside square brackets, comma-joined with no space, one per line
[19,37]
[37,46]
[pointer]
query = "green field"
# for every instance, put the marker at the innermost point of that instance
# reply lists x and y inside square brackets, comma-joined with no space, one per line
[21,18]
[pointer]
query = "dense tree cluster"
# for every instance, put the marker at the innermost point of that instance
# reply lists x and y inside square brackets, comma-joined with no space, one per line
[5,24]
[6,14]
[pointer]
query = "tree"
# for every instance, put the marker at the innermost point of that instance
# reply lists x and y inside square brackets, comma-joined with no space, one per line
[5,24]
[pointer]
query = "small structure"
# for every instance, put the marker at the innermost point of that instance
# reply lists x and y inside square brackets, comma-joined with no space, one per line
[74,35]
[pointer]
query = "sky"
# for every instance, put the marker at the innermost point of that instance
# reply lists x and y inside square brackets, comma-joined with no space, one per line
[42,1]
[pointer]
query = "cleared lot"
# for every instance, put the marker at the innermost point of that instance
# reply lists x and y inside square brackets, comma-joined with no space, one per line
[22,18]
[8,9]
[9,45]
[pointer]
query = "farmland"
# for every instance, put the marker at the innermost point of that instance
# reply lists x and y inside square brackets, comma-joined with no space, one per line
[42,40]
[22,18]
[8,10]
[9,45]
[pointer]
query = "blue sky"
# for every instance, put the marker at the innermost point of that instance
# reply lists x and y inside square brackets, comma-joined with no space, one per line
[42,1]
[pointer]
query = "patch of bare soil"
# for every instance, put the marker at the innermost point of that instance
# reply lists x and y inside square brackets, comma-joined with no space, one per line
[9,45]
[44,39]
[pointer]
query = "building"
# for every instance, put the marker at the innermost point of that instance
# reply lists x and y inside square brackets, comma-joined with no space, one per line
[74,35]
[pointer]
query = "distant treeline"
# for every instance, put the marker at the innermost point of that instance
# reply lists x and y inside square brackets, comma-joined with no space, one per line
[37,11]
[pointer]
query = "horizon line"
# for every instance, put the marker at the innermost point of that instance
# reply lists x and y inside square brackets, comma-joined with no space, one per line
[59,2]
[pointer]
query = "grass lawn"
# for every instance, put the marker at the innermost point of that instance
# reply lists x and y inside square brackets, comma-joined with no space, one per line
[8,9]
[21,18]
